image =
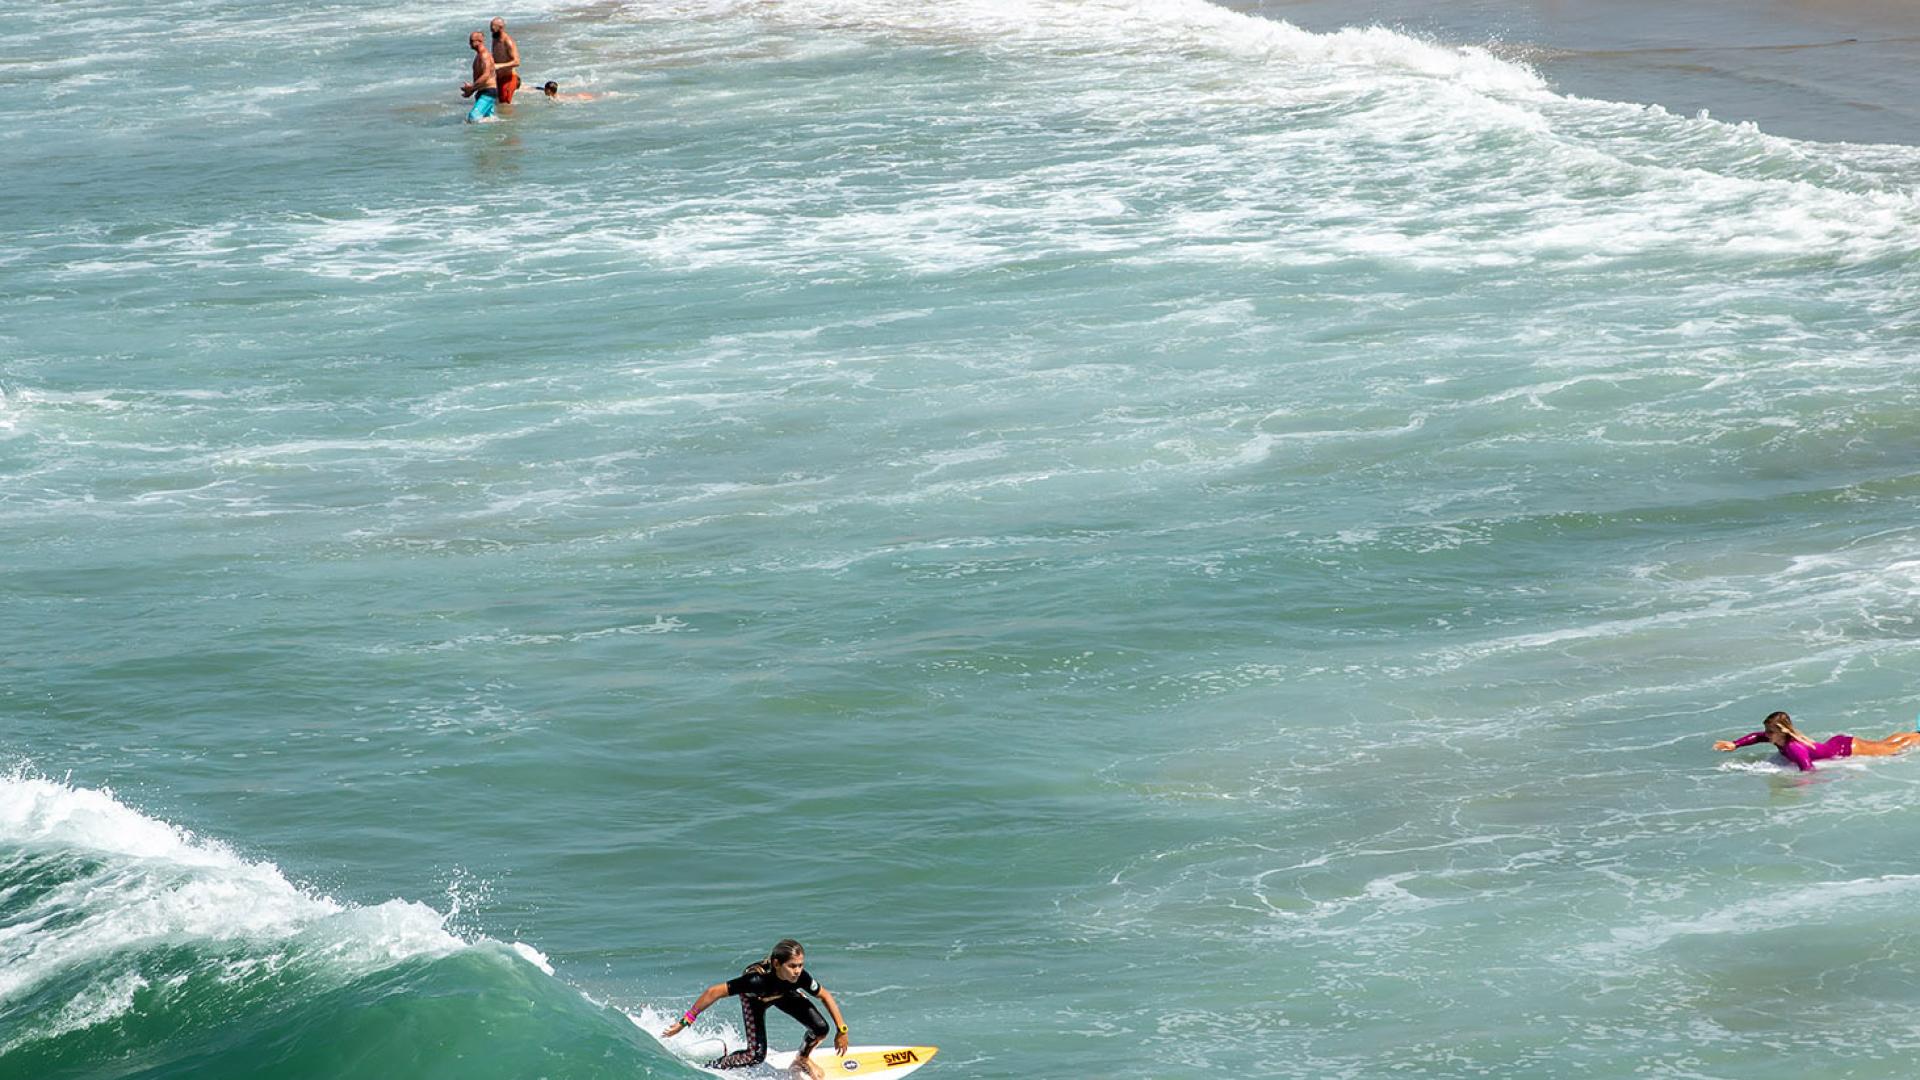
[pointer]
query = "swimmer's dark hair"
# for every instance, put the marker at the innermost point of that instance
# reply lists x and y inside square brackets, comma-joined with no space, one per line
[551,87]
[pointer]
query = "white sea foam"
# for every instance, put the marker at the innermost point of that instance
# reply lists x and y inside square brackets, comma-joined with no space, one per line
[1851,902]
[533,956]
[1399,93]
[660,624]
[1170,26]
[96,1005]
[708,1038]
[154,883]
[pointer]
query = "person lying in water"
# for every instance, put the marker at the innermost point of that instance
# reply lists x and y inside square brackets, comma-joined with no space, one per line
[775,981]
[552,90]
[1778,729]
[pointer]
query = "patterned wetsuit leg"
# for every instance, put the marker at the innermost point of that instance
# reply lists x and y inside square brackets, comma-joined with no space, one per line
[753,1017]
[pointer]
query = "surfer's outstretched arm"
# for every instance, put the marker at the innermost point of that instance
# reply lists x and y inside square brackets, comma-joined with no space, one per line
[707,997]
[839,1021]
[1744,740]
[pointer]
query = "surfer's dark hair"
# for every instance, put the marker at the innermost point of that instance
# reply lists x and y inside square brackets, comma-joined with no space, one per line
[783,951]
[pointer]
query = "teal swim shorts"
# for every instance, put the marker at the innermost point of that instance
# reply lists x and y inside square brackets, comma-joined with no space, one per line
[483,103]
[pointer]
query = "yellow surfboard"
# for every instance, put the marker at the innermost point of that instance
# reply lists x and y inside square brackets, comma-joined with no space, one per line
[889,1062]
[886,1061]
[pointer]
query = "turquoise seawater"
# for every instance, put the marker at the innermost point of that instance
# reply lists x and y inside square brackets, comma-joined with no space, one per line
[1158,543]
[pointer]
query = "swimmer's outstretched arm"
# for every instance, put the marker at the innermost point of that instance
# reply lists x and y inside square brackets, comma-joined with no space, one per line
[1744,740]
[707,997]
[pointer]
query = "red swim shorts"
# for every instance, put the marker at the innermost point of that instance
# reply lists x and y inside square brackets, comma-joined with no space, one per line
[508,84]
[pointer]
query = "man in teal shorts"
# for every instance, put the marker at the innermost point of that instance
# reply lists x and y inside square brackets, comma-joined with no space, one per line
[483,89]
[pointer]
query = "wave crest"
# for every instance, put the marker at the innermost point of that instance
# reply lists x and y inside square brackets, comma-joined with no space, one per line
[131,947]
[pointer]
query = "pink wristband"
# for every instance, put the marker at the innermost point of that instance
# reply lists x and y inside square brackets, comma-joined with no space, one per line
[686,1018]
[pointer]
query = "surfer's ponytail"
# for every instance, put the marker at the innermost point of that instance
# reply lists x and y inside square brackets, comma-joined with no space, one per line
[1782,724]
[785,950]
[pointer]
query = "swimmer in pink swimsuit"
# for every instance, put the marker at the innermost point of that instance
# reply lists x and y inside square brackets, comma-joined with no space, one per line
[1778,729]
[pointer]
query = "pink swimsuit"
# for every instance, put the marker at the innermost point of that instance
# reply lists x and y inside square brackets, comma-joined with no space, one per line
[1803,755]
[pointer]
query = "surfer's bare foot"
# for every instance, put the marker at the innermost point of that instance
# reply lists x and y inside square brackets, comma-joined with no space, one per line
[805,1067]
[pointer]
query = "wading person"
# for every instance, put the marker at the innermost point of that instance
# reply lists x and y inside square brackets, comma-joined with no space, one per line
[483,90]
[506,61]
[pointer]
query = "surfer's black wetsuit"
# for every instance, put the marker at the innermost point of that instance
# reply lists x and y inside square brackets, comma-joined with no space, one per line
[757,989]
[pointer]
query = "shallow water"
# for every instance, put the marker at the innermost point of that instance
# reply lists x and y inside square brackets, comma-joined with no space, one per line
[1159,542]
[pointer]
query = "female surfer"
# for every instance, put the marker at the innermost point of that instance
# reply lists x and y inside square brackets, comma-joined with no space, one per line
[775,981]
[1778,729]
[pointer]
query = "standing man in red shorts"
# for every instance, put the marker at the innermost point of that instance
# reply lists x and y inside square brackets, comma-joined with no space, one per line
[506,60]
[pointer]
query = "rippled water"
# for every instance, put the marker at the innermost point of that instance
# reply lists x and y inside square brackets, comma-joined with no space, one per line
[1158,542]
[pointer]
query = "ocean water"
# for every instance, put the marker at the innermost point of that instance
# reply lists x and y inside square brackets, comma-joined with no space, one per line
[1158,540]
